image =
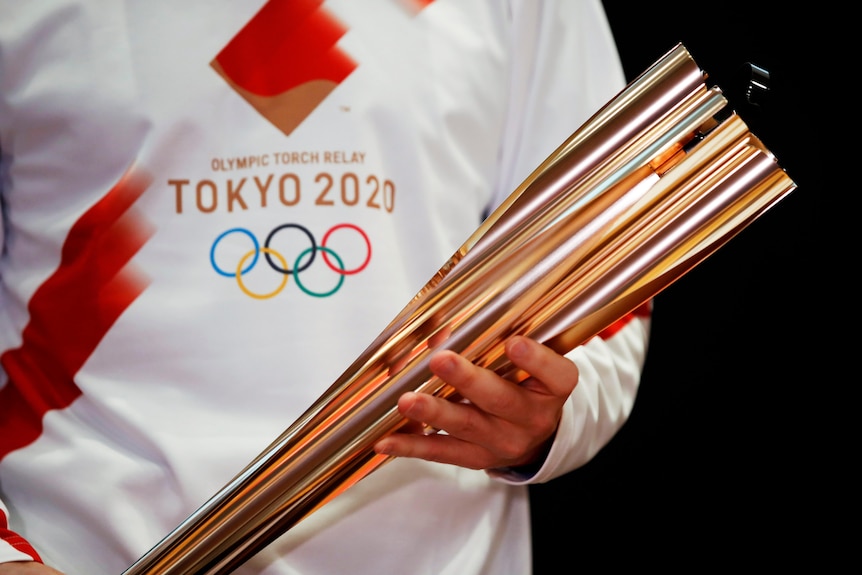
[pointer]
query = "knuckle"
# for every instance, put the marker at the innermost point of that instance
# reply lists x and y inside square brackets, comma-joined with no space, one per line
[471,422]
[511,450]
[503,402]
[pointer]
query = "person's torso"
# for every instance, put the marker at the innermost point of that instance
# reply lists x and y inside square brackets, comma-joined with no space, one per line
[209,210]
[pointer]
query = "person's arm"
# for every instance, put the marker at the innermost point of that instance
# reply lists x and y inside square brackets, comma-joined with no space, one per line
[554,421]
[609,368]
[564,67]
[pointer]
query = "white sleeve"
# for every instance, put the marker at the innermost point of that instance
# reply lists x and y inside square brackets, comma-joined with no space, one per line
[602,401]
[567,67]
[610,370]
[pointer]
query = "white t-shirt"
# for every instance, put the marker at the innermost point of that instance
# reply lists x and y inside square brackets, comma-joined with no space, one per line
[150,150]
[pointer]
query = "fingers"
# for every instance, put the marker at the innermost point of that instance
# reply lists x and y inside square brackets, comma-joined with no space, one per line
[550,372]
[437,447]
[499,423]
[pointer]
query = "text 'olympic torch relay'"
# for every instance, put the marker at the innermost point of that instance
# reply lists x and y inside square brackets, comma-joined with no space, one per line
[657,180]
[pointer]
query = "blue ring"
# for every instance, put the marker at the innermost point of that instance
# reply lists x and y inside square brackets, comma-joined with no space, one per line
[253,260]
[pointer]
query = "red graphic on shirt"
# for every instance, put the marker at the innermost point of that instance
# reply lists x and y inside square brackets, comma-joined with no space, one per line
[416,6]
[644,310]
[285,61]
[16,541]
[72,311]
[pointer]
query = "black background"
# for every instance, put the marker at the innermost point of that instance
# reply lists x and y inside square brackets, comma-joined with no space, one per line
[726,436]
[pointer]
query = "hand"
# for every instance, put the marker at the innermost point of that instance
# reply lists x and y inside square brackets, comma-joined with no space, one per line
[27,568]
[501,424]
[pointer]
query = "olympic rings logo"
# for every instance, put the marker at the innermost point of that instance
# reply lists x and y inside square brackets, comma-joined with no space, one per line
[247,260]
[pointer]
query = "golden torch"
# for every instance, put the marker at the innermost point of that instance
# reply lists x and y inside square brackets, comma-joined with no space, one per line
[657,180]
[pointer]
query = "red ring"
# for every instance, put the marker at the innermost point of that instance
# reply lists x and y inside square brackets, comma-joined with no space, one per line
[367,243]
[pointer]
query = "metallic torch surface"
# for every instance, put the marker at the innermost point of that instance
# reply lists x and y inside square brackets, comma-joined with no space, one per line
[645,190]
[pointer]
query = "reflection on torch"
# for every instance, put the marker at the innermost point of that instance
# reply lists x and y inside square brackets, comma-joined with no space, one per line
[652,184]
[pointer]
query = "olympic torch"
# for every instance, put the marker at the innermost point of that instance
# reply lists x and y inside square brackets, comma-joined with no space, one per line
[657,180]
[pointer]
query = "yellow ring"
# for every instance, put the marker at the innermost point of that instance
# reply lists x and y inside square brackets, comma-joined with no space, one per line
[249,292]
